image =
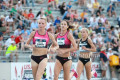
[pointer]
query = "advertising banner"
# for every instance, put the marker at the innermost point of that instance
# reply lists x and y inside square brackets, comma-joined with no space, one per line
[23,71]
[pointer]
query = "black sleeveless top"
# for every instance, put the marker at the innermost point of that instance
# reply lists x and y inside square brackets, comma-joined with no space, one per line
[84,43]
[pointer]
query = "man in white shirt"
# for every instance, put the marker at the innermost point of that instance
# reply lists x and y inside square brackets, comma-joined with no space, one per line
[8,42]
[9,20]
[17,32]
[48,24]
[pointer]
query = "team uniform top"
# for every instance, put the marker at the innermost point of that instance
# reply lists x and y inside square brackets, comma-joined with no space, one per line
[63,41]
[41,41]
[84,43]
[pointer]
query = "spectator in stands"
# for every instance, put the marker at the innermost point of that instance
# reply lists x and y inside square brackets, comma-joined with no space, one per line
[99,11]
[116,30]
[69,5]
[40,1]
[25,37]
[96,5]
[118,20]
[8,3]
[23,1]
[92,18]
[19,40]
[48,23]
[2,5]
[42,15]
[48,12]
[90,7]
[63,8]
[25,19]
[108,39]
[39,12]
[21,25]
[115,44]
[25,30]
[51,2]
[94,38]
[112,30]
[83,16]
[19,7]
[93,24]
[66,12]
[13,10]
[81,3]
[34,25]
[28,1]
[11,51]
[3,27]
[103,62]
[9,40]
[17,32]
[112,68]
[100,24]
[111,11]
[51,29]
[2,45]
[25,14]
[9,20]
[75,16]
[100,39]
[67,17]
[107,24]
[56,2]
[58,29]
[57,21]
[30,15]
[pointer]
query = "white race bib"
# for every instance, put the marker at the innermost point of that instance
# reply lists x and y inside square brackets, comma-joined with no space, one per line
[80,46]
[61,41]
[40,43]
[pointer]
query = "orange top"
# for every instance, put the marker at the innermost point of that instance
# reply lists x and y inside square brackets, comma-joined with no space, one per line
[82,14]
[25,15]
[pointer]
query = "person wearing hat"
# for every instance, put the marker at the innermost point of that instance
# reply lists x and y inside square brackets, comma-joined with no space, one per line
[8,41]
[11,51]
[103,62]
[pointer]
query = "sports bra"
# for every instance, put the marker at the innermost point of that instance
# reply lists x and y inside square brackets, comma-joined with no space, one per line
[63,41]
[41,41]
[84,43]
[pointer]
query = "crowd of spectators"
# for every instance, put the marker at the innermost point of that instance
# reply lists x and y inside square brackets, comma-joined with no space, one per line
[94,17]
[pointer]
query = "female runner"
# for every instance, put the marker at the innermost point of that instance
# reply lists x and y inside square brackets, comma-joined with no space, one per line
[40,39]
[63,59]
[85,46]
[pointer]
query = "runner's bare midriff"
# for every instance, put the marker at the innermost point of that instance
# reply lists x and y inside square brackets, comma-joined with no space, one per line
[65,54]
[84,54]
[39,51]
